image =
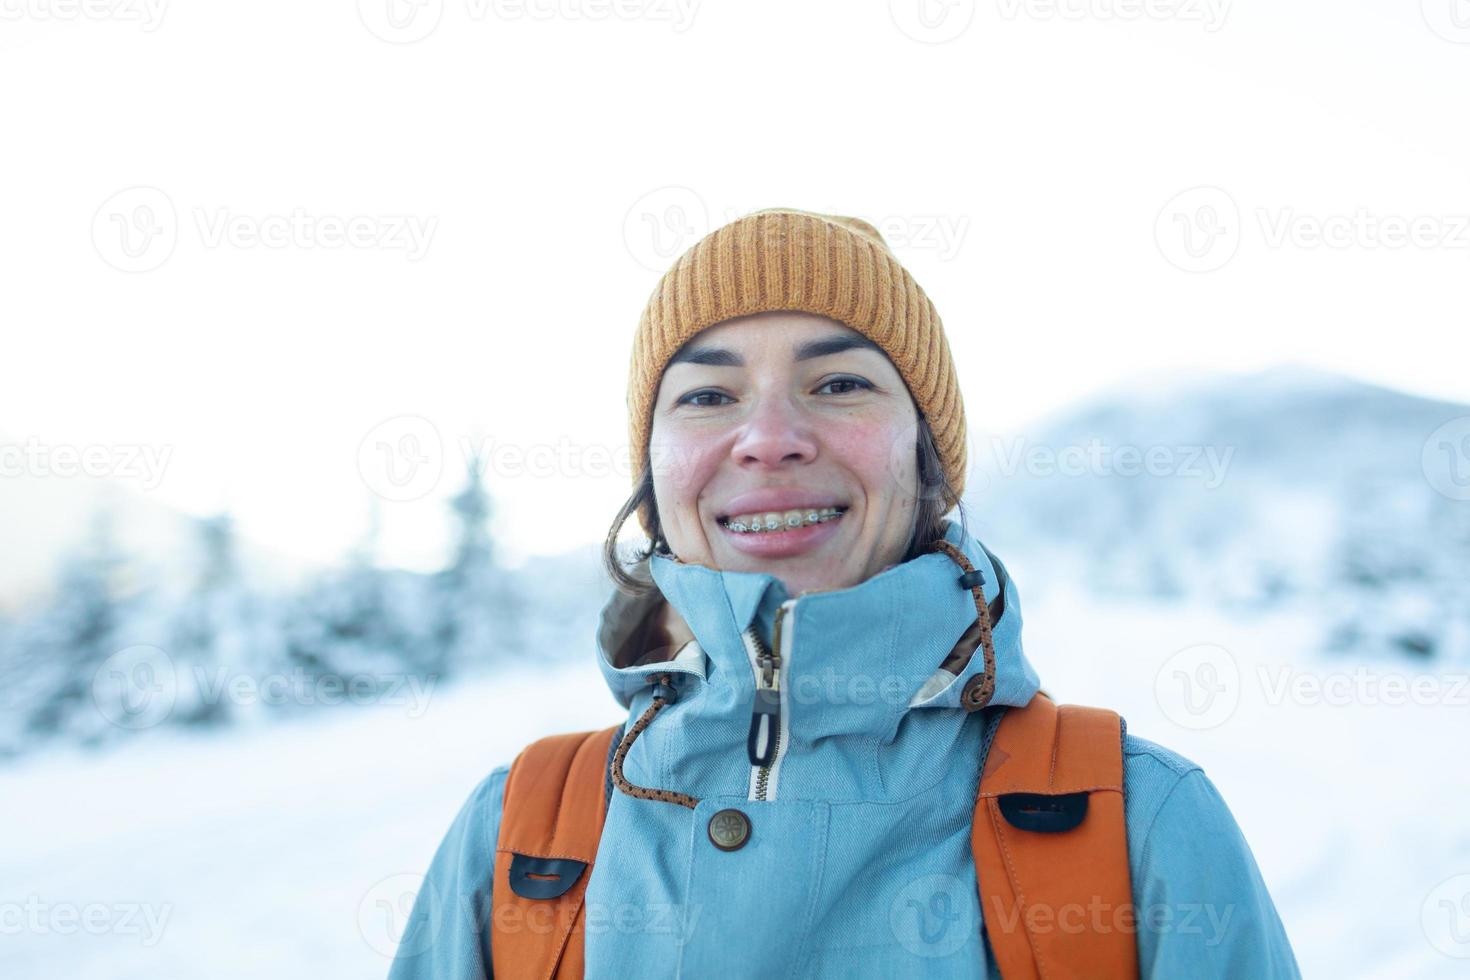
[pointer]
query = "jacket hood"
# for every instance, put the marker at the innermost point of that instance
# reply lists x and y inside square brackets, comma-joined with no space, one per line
[902,624]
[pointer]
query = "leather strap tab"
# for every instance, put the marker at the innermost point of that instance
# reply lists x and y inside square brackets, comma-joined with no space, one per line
[550,827]
[1057,902]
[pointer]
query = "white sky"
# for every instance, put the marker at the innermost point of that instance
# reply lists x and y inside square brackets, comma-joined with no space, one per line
[534,154]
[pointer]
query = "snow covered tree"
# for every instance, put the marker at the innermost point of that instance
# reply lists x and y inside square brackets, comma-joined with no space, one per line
[479,619]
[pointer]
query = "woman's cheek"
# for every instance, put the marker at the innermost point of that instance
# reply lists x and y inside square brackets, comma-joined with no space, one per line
[871,451]
[682,467]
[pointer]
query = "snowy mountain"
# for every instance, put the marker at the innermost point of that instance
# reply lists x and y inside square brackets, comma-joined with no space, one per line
[1286,487]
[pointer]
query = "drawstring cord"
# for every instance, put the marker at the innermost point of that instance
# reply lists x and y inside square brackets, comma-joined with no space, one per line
[977,695]
[981,688]
[663,695]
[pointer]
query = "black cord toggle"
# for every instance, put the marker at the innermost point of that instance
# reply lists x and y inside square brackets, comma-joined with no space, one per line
[972,578]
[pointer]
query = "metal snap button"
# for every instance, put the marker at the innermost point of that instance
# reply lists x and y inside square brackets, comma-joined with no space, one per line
[729,830]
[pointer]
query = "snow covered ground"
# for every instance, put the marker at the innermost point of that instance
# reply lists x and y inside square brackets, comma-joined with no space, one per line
[293,850]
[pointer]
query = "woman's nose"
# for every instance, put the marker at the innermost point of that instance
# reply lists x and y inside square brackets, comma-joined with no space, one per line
[775,433]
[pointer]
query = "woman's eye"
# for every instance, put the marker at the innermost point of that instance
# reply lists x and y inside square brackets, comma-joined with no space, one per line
[693,399]
[856,383]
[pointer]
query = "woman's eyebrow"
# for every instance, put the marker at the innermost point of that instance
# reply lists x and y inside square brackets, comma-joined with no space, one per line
[724,357]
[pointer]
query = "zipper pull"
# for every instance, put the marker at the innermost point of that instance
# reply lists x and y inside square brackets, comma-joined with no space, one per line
[765,715]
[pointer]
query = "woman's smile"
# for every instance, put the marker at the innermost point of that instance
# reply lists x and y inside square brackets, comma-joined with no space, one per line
[782,534]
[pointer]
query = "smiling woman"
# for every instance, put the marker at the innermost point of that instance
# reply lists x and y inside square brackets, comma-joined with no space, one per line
[786,441]
[837,759]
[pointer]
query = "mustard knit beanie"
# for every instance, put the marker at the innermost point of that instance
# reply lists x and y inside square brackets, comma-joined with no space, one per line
[787,259]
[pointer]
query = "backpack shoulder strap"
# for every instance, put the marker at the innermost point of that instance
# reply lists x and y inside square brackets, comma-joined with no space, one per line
[1051,845]
[550,826]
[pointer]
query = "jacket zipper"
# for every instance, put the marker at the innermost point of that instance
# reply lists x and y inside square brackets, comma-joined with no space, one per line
[766,744]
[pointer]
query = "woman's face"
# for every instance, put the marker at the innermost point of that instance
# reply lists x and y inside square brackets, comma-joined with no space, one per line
[779,412]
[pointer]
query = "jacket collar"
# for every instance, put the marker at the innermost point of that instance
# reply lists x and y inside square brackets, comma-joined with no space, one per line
[868,653]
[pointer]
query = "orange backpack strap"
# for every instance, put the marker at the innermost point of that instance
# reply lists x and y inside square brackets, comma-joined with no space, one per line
[551,823]
[1051,845]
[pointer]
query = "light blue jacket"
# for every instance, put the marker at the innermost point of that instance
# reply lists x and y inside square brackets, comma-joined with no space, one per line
[858,862]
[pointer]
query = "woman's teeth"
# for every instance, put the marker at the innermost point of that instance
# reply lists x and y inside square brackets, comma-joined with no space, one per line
[782,520]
